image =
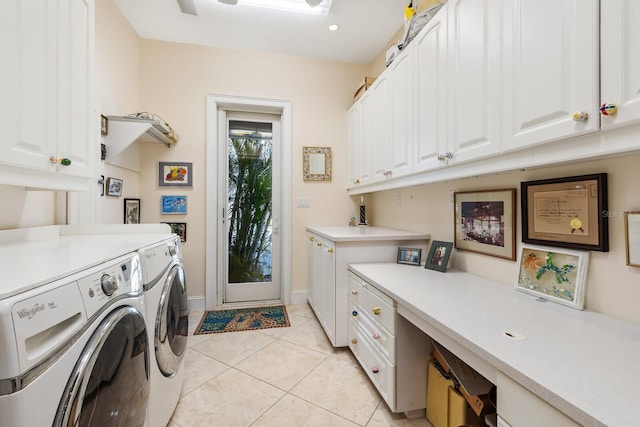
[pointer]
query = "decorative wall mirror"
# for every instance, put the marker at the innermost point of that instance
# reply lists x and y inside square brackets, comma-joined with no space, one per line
[316,163]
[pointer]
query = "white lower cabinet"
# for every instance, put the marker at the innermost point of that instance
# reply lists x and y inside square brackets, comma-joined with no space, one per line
[391,351]
[519,407]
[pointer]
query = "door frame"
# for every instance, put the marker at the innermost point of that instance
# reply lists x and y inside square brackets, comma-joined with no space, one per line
[213,289]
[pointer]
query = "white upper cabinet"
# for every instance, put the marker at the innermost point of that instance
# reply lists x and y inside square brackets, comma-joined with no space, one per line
[355,144]
[378,126]
[551,67]
[46,83]
[367,117]
[401,83]
[474,52]
[620,56]
[430,50]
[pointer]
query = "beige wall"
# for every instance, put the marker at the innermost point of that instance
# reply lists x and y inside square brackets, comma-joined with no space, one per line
[612,286]
[177,78]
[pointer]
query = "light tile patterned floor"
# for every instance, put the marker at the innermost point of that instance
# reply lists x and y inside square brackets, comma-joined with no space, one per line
[278,377]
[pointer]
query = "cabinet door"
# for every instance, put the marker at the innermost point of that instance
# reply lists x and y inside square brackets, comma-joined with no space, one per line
[550,70]
[379,126]
[620,56]
[474,54]
[430,51]
[76,137]
[402,110]
[355,144]
[28,47]
[367,114]
[325,296]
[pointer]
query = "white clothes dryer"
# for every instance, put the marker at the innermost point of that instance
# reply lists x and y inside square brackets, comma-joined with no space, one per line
[167,321]
[75,350]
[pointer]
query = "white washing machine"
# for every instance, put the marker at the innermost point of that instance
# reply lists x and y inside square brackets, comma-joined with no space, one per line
[167,321]
[75,350]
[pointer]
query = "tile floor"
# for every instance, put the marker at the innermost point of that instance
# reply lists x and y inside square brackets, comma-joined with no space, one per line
[277,377]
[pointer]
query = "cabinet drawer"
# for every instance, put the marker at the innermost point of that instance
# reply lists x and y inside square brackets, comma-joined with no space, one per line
[372,360]
[378,305]
[382,339]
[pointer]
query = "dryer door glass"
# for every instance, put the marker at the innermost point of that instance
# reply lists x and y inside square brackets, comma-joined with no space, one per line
[172,323]
[110,382]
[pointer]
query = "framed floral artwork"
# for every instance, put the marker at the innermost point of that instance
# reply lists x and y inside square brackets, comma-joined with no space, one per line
[175,174]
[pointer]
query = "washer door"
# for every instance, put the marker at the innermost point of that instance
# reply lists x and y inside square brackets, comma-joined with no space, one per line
[110,382]
[172,323]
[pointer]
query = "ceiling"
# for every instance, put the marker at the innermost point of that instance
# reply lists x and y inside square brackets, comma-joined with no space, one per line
[365,27]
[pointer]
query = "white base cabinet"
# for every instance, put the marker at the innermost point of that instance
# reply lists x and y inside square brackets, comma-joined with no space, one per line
[330,250]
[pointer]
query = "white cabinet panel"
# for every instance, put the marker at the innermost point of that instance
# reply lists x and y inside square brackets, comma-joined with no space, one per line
[402,97]
[550,70]
[620,56]
[355,144]
[379,126]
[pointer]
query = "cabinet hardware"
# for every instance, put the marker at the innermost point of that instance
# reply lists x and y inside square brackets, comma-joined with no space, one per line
[330,250]
[608,109]
[62,160]
[311,239]
[375,369]
[448,155]
[581,116]
[354,341]
[376,310]
[354,292]
[354,313]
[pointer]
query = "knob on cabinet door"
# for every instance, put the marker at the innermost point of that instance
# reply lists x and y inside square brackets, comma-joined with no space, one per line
[330,250]
[448,155]
[63,161]
[354,341]
[376,310]
[608,109]
[581,116]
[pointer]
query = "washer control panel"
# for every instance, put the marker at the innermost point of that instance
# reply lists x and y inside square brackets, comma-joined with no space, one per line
[120,277]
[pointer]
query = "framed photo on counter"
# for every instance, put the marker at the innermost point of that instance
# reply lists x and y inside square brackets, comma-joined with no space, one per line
[411,256]
[438,257]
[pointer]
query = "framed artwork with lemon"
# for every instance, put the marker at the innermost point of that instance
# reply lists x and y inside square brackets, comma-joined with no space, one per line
[175,174]
[570,212]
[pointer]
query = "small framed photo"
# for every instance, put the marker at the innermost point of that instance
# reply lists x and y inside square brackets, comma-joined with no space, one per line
[132,211]
[104,125]
[632,237]
[485,222]
[114,187]
[180,228]
[438,257]
[175,174]
[176,205]
[411,256]
[554,274]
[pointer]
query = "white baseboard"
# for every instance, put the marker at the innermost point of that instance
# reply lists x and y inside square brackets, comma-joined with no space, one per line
[299,297]
[196,303]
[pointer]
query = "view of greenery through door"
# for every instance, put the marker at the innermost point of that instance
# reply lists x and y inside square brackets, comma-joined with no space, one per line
[249,212]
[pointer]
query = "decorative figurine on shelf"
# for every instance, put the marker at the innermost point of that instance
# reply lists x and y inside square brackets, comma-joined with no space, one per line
[352,221]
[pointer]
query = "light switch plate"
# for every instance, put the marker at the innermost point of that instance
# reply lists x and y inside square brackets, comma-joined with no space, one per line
[303,202]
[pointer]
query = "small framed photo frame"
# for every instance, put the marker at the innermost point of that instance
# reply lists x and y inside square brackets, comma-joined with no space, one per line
[411,256]
[180,228]
[114,187]
[568,212]
[632,237]
[438,257]
[174,205]
[485,222]
[104,125]
[175,174]
[132,211]
[553,274]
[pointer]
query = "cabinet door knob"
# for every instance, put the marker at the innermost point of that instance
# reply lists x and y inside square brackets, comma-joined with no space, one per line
[581,116]
[354,292]
[375,336]
[354,313]
[330,250]
[376,310]
[354,341]
[61,160]
[319,244]
[311,239]
[357,181]
[375,369]
[448,155]
[608,109]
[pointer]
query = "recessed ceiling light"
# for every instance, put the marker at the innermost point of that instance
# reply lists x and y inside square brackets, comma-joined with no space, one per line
[333,27]
[300,6]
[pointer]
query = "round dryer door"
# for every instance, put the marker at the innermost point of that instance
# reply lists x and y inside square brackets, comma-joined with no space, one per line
[172,323]
[110,382]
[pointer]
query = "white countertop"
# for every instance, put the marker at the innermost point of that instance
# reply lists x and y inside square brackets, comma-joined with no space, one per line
[339,233]
[583,363]
[32,257]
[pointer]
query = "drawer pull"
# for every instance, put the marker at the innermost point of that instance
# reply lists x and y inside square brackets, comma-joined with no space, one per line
[354,292]
[330,250]
[354,341]
[375,369]
[319,244]
[376,310]
[311,239]
[354,313]
[375,336]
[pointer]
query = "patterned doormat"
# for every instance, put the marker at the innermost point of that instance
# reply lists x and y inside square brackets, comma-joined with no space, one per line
[243,319]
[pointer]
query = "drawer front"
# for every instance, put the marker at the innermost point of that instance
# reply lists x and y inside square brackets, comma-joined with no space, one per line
[381,372]
[378,305]
[382,339]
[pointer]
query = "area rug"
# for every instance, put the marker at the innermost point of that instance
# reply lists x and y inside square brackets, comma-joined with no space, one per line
[243,319]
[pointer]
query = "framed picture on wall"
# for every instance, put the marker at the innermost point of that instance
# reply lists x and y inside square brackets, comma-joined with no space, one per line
[175,174]
[132,211]
[176,205]
[180,228]
[114,187]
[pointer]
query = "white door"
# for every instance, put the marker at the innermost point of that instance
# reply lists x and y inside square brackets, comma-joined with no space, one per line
[620,60]
[402,112]
[551,67]
[249,245]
